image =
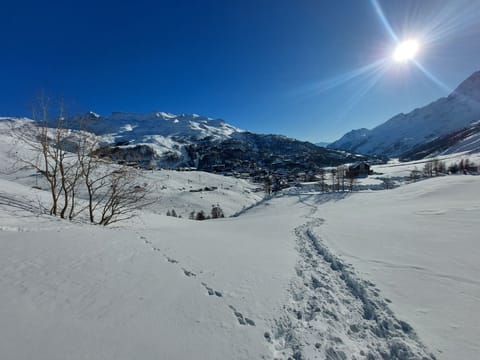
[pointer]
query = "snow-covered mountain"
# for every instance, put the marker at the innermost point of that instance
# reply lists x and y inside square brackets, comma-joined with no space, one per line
[135,127]
[163,140]
[403,132]
[167,140]
[322,143]
[161,132]
[461,141]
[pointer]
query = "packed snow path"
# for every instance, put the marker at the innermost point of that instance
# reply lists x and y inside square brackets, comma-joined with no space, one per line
[332,313]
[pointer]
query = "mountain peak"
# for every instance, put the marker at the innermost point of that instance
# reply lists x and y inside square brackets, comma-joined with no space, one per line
[470,87]
[403,132]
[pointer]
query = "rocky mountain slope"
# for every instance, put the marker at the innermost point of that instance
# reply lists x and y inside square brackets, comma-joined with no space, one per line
[403,132]
[159,139]
[464,140]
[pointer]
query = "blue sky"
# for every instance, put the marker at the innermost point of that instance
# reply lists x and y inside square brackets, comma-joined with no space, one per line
[277,66]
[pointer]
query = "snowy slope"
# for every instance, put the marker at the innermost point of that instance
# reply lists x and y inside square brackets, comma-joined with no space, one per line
[419,244]
[138,291]
[254,286]
[460,141]
[165,134]
[404,131]
[286,279]
[167,190]
[137,127]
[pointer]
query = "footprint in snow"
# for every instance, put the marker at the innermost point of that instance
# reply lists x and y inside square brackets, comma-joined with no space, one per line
[212,292]
[188,273]
[171,260]
[242,320]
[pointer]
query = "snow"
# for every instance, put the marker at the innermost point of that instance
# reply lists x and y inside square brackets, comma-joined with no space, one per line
[397,169]
[142,290]
[419,244]
[469,144]
[302,275]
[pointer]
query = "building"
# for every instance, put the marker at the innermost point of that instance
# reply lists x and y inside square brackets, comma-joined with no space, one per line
[358,169]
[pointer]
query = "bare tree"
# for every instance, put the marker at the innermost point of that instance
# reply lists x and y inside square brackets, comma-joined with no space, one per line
[341,177]
[267,185]
[428,168]
[68,162]
[122,198]
[415,175]
[351,179]
[333,173]
[322,179]
[388,183]
[46,138]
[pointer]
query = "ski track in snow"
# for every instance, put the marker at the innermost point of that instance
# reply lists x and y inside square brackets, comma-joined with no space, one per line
[333,314]
[241,319]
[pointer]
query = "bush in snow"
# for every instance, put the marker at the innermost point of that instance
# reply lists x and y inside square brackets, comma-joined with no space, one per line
[217,212]
[201,216]
[172,213]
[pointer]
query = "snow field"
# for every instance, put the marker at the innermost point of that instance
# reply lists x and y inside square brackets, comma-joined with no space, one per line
[419,245]
[303,275]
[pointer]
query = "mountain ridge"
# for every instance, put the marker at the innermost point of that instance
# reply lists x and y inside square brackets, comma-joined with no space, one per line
[403,132]
[164,140]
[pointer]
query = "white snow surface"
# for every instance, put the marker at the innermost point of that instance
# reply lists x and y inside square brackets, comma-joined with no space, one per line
[162,131]
[302,275]
[469,144]
[419,243]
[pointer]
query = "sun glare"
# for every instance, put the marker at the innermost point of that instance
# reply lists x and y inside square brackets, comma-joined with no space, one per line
[406,50]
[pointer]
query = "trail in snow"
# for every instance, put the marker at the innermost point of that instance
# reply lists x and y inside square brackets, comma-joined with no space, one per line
[333,314]
[210,291]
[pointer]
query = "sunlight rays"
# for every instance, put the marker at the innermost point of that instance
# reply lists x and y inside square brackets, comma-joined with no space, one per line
[432,77]
[451,21]
[339,80]
[424,27]
[366,84]
[383,19]
[447,21]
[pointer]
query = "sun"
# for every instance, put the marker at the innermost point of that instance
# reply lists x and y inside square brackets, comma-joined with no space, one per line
[406,51]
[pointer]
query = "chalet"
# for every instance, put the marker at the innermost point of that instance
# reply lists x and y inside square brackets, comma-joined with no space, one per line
[358,169]
[218,168]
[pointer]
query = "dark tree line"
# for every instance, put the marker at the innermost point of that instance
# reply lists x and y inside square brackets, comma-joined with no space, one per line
[215,213]
[436,167]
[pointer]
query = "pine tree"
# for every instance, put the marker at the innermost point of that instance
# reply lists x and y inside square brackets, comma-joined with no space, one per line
[217,212]
[201,215]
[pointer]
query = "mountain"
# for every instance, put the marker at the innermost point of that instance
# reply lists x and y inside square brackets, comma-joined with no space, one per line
[152,128]
[464,140]
[159,139]
[247,151]
[403,132]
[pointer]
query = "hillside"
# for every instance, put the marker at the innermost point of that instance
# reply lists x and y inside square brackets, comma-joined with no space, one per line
[279,281]
[162,140]
[465,140]
[403,132]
